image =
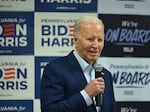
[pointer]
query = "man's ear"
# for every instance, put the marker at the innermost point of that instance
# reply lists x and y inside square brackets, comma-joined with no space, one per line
[75,37]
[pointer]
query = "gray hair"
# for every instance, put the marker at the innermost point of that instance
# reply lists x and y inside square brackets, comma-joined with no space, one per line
[85,20]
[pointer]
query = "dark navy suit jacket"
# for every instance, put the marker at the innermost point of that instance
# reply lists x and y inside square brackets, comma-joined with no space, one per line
[61,84]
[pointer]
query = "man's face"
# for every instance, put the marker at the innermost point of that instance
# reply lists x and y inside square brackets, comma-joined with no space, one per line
[90,42]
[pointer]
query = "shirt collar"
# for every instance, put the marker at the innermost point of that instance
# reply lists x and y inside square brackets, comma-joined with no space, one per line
[84,65]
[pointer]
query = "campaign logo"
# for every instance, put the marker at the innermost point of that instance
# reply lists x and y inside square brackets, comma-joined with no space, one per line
[16,33]
[130,76]
[131,80]
[41,62]
[54,34]
[127,78]
[11,30]
[51,35]
[16,106]
[126,35]
[66,5]
[13,77]
[137,79]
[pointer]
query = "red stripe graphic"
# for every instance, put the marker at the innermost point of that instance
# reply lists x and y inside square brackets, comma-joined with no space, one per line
[9,69]
[8,25]
[9,34]
[71,26]
[9,73]
[71,35]
[71,30]
[9,77]
[9,30]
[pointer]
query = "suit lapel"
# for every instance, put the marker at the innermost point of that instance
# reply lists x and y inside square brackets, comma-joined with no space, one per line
[76,69]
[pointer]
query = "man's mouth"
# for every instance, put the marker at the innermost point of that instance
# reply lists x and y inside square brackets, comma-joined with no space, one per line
[93,52]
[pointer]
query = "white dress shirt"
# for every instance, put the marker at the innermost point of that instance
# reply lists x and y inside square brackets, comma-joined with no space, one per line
[89,74]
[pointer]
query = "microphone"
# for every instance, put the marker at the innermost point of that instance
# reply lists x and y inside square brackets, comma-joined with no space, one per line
[98,73]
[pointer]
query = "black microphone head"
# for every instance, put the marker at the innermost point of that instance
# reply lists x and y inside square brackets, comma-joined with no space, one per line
[98,67]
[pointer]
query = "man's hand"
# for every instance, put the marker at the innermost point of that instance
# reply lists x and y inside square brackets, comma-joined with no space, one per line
[95,87]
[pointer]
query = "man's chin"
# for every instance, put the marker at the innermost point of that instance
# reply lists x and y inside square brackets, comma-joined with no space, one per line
[94,59]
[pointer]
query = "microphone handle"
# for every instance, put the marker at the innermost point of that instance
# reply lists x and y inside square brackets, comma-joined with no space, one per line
[98,98]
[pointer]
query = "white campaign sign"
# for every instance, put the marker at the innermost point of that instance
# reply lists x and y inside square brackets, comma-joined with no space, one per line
[17,5]
[17,77]
[54,33]
[131,77]
[139,7]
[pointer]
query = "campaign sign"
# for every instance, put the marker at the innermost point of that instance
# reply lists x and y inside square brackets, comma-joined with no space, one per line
[40,63]
[16,77]
[139,7]
[54,33]
[131,77]
[66,5]
[37,106]
[16,5]
[133,106]
[16,33]
[126,35]
[16,106]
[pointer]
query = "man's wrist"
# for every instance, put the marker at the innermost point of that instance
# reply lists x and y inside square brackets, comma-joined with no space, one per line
[86,97]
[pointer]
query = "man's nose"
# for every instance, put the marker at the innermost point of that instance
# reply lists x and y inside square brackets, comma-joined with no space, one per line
[95,43]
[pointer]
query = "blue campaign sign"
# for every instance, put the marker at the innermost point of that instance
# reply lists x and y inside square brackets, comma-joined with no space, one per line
[133,106]
[40,63]
[126,35]
[16,33]
[66,5]
[16,106]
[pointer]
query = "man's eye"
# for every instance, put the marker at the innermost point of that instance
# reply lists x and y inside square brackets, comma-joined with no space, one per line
[90,39]
[100,40]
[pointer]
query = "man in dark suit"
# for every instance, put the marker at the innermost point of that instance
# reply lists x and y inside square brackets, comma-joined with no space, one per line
[69,84]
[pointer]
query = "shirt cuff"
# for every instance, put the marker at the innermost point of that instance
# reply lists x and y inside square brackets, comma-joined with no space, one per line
[86,97]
